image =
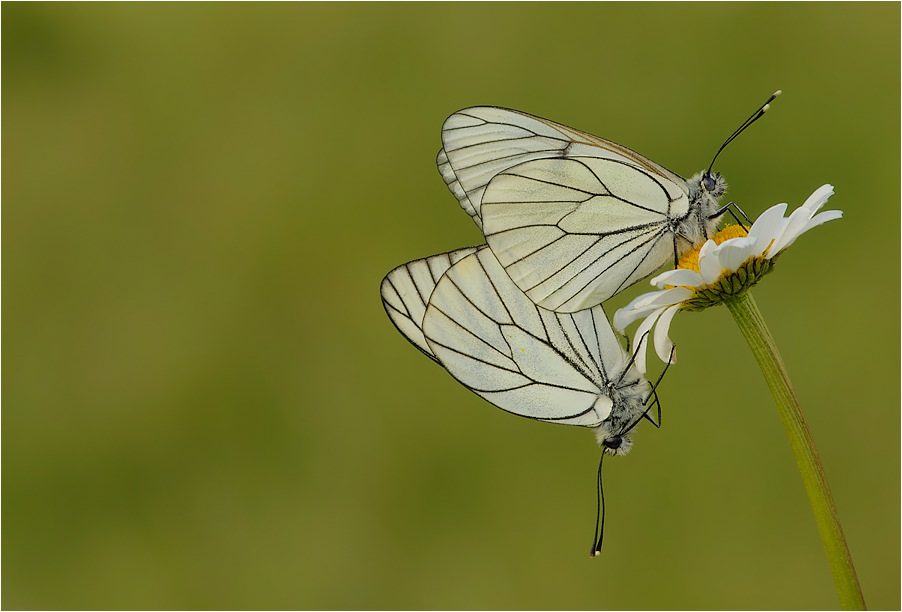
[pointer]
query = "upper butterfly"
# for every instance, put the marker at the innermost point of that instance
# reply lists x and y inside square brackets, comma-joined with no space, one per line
[574,219]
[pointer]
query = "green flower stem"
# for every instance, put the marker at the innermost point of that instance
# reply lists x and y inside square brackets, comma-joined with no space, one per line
[748,317]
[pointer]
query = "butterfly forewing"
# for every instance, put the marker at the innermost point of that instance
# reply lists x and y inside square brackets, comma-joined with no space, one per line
[573,218]
[444,168]
[573,232]
[481,141]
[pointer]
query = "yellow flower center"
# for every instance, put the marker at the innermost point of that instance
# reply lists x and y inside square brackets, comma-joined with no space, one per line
[689,260]
[727,286]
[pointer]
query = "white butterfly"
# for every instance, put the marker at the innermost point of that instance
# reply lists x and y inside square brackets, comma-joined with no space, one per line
[573,218]
[463,311]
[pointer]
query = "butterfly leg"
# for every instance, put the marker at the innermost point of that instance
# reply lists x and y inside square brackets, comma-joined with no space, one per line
[648,418]
[729,208]
[654,390]
[676,253]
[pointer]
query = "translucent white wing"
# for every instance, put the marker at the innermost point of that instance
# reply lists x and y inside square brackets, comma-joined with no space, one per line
[572,232]
[444,168]
[524,359]
[480,142]
[406,291]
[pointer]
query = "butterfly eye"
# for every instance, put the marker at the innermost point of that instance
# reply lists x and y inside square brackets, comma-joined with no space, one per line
[613,442]
[709,182]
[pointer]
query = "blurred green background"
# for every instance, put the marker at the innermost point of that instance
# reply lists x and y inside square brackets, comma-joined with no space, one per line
[206,406]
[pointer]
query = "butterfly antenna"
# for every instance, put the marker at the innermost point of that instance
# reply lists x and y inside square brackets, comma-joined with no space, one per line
[599,516]
[755,116]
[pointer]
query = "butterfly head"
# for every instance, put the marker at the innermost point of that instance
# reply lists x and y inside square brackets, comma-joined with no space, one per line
[713,184]
[627,397]
[617,444]
[705,188]
[614,434]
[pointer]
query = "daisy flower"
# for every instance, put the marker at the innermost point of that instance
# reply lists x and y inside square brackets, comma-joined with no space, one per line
[723,268]
[721,272]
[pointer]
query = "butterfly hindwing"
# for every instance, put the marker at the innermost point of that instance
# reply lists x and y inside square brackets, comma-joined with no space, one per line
[406,291]
[524,359]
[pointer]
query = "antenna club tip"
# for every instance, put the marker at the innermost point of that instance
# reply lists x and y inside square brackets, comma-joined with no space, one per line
[778,92]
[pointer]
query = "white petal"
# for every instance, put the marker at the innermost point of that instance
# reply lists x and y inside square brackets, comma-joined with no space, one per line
[733,253]
[794,226]
[818,198]
[630,313]
[640,298]
[648,303]
[640,341]
[708,264]
[766,227]
[818,219]
[663,344]
[637,301]
[681,277]
[668,297]
[798,221]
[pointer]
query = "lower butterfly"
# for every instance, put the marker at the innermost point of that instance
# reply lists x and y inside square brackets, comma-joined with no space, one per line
[573,218]
[464,312]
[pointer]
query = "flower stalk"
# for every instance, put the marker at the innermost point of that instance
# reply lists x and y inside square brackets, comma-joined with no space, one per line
[748,317]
